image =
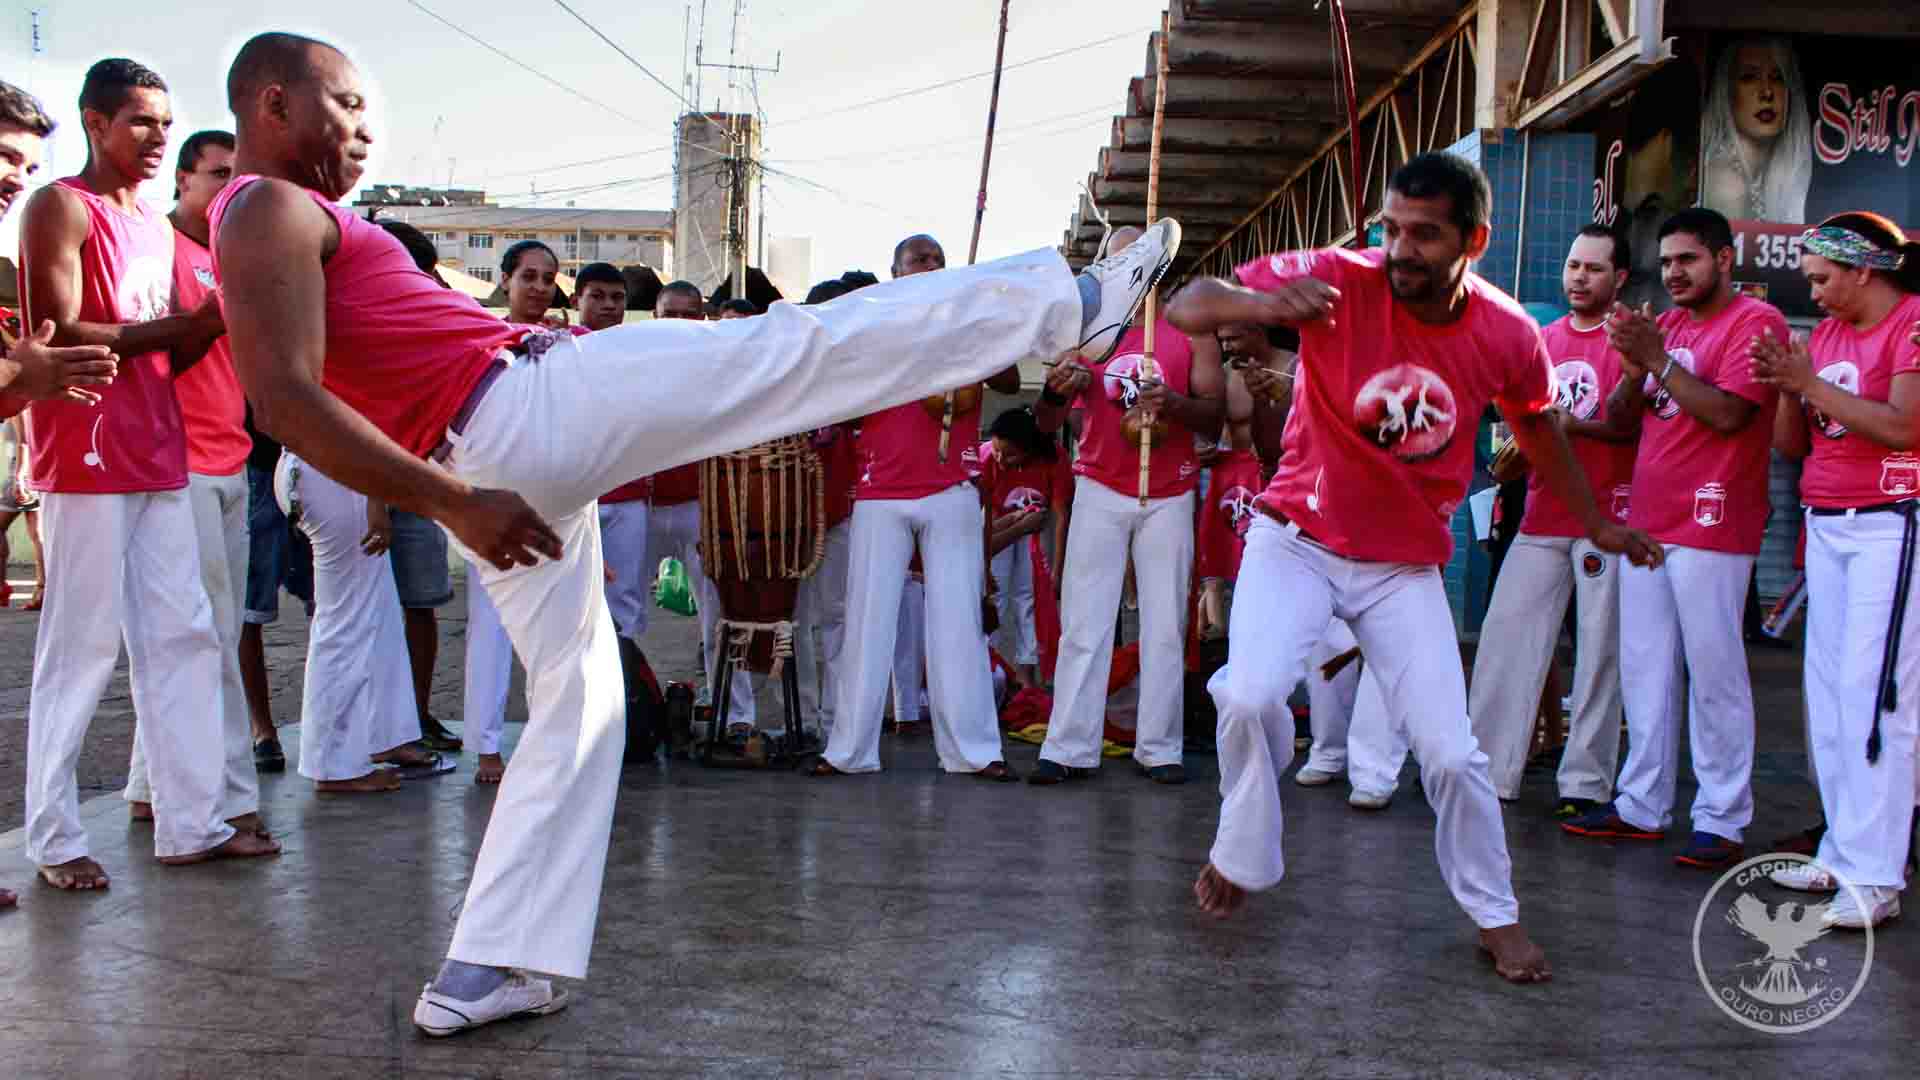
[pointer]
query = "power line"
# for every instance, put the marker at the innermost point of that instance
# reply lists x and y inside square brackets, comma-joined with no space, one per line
[970,139]
[644,70]
[898,95]
[521,64]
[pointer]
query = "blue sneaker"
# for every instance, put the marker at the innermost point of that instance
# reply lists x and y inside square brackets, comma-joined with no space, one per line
[1603,822]
[1710,852]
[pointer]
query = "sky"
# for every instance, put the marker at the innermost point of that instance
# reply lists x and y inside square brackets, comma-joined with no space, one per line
[855,177]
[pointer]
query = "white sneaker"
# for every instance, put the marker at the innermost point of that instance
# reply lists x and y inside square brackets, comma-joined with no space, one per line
[1362,799]
[1882,902]
[1312,777]
[438,1015]
[1124,280]
[1804,877]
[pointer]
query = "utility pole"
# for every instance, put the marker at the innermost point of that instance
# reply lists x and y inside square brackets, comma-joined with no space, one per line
[742,168]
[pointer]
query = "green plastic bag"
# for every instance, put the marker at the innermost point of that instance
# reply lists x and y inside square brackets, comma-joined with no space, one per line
[672,590]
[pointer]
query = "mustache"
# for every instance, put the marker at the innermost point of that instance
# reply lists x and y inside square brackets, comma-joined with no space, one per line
[1407,266]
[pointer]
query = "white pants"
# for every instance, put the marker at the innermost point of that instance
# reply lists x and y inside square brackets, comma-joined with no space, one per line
[1013,572]
[1290,587]
[820,616]
[125,567]
[1681,656]
[1353,733]
[910,652]
[598,410]
[489,670]
[358,696]
[1852,565]
[1517,643]
[220,531]
[673,531]
[947,527]
[1107,527]
[624,538]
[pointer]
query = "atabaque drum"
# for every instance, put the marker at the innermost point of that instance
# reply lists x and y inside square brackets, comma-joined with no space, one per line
[762,530]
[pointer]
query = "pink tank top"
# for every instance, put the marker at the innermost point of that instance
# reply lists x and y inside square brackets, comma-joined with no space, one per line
[132,441]
[402,350]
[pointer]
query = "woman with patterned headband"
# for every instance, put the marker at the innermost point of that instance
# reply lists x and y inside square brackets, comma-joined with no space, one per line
[1850,406]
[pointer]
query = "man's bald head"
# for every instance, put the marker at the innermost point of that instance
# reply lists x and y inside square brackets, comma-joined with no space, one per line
[1123,237]
[271,59]
[918,254]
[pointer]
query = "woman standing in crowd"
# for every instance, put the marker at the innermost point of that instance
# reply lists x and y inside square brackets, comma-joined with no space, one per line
[1850,406]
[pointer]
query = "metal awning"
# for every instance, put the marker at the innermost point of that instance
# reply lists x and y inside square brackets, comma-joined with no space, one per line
[1251,100]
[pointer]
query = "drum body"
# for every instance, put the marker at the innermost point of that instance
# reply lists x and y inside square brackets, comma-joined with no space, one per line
[763,530]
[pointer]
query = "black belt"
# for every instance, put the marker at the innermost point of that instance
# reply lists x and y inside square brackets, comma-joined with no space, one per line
[1889,696]
[1902,507]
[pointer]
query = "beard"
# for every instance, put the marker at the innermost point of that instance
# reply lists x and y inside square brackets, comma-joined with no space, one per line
[1707,289]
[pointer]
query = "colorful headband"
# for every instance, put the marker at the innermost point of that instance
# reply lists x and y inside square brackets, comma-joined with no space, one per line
[1849,247]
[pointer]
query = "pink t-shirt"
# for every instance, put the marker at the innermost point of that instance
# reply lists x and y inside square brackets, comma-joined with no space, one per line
[1106,455]
[1231,491]
[132,441]
[211,403]
[1698,488]
[900,453]
[403,350]
[1378,450]
[1848,470]
[1585,370]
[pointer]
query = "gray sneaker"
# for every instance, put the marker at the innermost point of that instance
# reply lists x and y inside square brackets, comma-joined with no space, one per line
[438,1015]
[1125,280]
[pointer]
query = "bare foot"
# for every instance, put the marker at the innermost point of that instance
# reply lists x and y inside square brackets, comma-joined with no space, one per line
[75,875]
[241,845]
[1216,895]
[492,769]
[1515,956]
[251,822]
[404,755]
[139,811]
[373,783]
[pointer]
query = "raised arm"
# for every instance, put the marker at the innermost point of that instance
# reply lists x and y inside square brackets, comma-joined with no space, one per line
[273,245]
[1639,340]
[1202,408]
[1206,305]
[52,231]
[1788,367]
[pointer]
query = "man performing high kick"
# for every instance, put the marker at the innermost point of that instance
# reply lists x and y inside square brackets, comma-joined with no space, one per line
[1401,349]
[366,368]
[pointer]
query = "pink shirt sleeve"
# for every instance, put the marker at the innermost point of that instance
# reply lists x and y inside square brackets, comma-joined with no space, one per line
[1735,373]
[1529,389]
[11,405]
[1272,271]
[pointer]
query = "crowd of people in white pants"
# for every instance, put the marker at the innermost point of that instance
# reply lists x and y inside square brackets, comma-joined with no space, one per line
[1308,429]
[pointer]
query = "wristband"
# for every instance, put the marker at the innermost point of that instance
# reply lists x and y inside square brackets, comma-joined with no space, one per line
[1049,396]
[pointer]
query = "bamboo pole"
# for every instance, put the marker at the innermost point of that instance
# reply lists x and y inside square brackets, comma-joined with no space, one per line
[980,203]
[1148,369]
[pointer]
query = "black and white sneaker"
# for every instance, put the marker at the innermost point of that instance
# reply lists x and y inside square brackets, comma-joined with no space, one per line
[1125,280]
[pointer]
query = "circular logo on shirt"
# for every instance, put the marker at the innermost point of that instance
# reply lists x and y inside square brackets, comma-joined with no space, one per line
[1767,956]
[1592,564]
[1845,375]
[1658,399]
[1024,498]
[1577,389]
[1407,410]
[145,292]
[1122,380]
[1237,502]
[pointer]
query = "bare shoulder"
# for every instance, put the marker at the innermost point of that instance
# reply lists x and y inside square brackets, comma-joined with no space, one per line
[55,211]
[274,215]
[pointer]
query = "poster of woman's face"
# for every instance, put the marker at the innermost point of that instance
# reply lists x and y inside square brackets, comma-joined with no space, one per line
[1757,133]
